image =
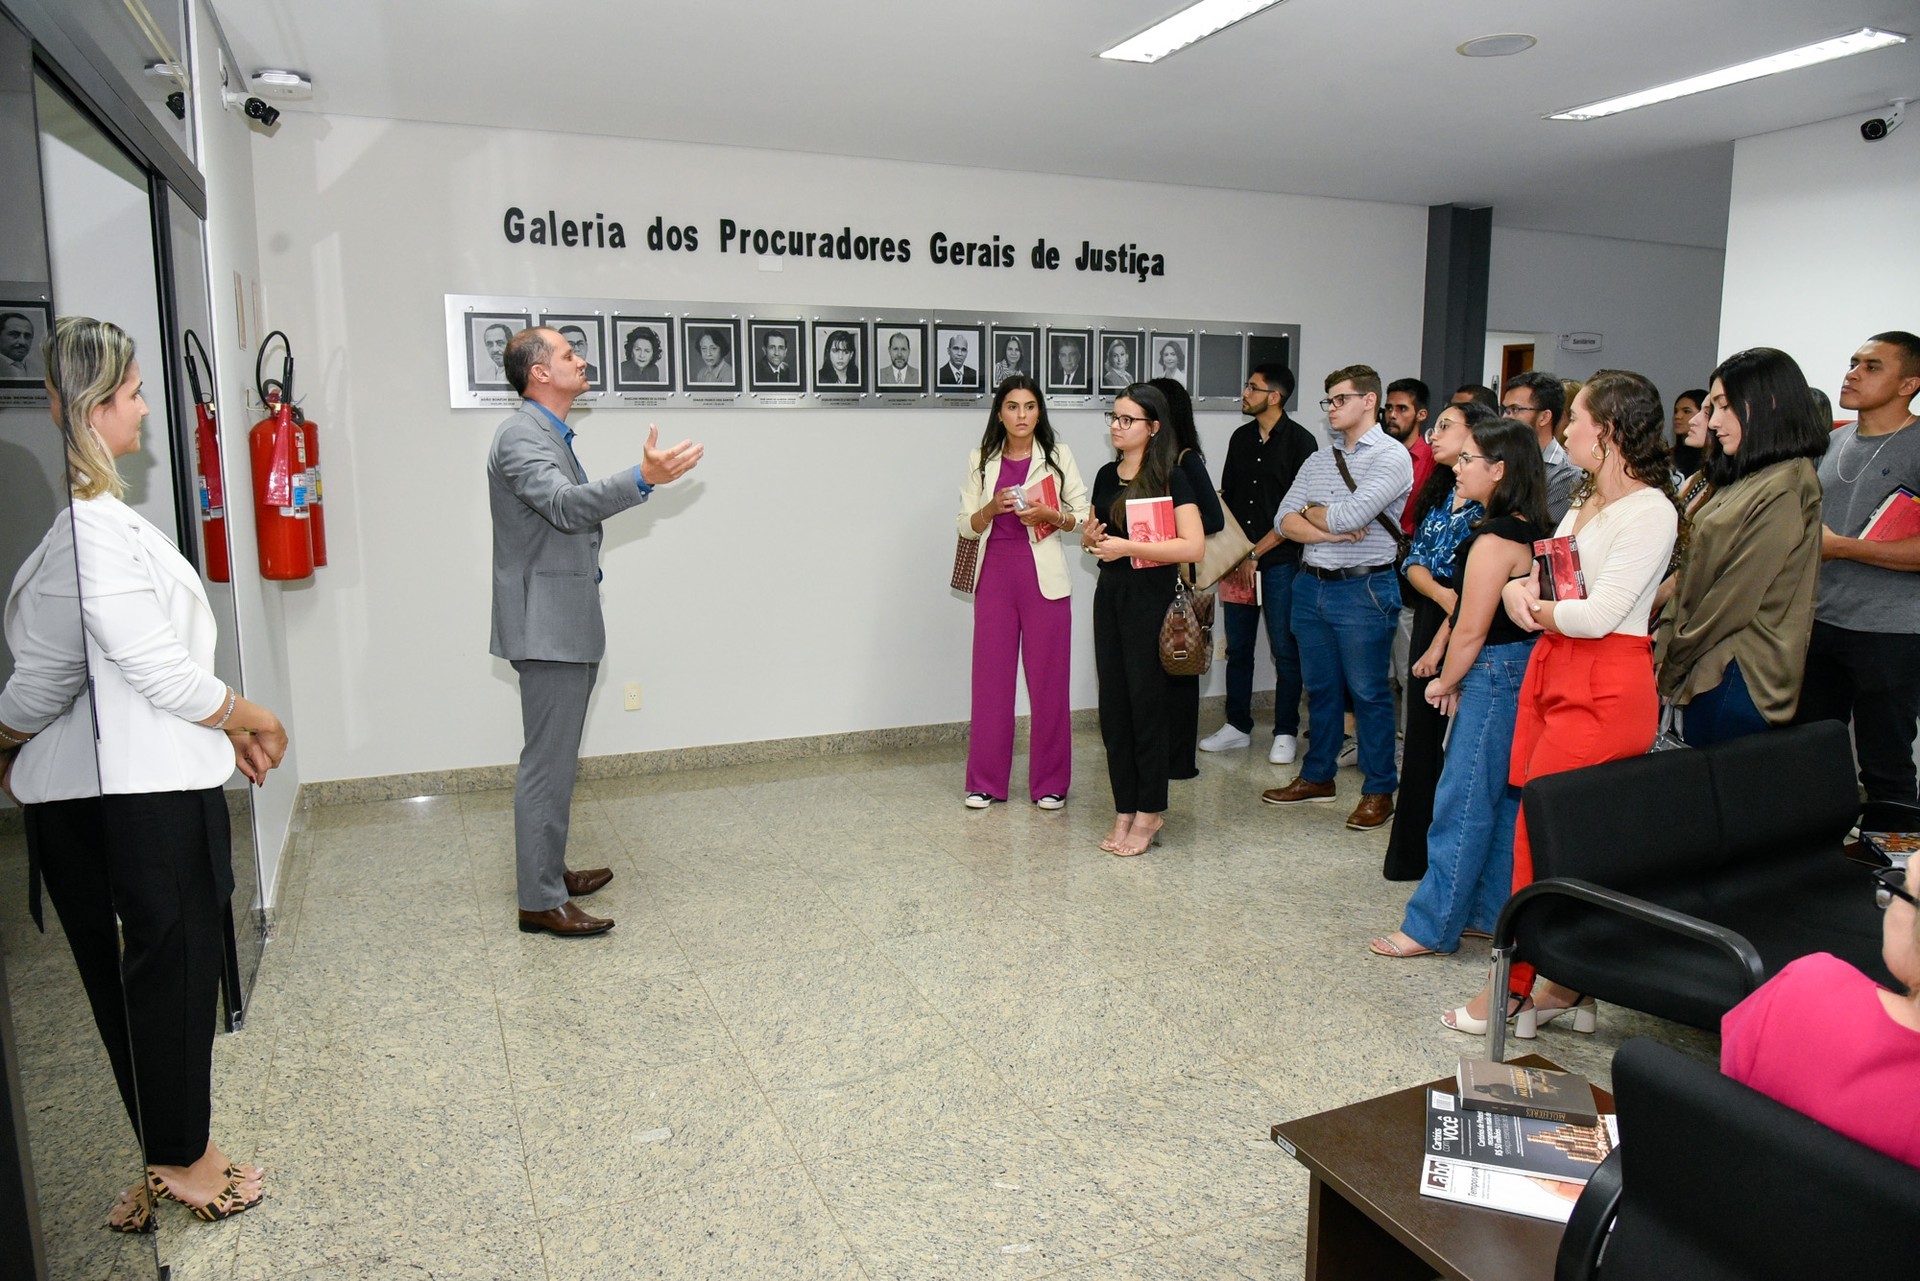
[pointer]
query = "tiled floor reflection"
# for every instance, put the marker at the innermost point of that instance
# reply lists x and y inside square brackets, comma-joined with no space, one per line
[846,1029]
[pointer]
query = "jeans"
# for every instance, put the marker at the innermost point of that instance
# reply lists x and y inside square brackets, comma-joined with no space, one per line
[1243,629]
[1345,630]
[1724,712]
[1470,845]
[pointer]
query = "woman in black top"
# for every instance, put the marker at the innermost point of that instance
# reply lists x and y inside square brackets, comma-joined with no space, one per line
[1183,692]
[1129,605]
[1470,844]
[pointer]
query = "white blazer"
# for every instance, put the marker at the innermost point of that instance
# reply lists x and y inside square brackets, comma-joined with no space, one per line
[149,641]
[1049,555]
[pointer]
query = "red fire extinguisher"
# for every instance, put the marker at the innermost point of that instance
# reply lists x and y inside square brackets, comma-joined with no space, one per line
[206,463]
[279,453]
[316,507]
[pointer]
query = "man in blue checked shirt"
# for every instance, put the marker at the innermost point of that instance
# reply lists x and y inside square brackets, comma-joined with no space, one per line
[1346,601]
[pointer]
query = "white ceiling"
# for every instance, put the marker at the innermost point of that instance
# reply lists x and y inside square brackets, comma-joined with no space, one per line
[1354,98]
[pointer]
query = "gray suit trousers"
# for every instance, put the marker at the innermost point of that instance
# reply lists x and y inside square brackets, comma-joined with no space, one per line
[553,713]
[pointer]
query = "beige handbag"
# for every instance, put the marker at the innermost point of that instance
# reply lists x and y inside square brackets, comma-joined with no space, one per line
[1225,550]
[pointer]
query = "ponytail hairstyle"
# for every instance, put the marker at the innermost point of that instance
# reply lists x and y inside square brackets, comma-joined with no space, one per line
[86,361]
[1159,458]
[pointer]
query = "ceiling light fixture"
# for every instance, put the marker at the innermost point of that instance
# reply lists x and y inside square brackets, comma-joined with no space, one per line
[1500,46]
[1865,40]
[1190,25]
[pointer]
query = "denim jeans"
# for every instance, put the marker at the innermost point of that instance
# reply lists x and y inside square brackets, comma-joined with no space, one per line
[1243,630]
[1345,631]
[1726,711]
[1470,845]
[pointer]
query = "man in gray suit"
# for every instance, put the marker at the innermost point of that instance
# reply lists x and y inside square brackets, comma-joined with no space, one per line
[546,607]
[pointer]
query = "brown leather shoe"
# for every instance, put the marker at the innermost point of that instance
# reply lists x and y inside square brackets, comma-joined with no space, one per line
[567,921]
[1300,790]
[1374,809]
[581,884]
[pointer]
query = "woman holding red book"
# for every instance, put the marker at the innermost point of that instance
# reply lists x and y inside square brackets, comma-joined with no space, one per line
[1021,606]
[1588,696]
[1131,601]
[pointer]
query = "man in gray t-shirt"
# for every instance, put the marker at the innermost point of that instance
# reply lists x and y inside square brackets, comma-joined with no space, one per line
[1863,663]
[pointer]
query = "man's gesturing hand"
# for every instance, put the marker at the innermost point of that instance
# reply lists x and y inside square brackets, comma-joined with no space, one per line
[658,466]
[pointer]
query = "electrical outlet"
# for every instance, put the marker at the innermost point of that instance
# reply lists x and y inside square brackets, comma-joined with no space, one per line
[633,696]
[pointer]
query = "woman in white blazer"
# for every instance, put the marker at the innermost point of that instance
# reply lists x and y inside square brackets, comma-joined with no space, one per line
[129,833]
[1021,607]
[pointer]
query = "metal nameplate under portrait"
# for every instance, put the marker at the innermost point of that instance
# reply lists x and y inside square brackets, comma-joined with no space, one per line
[650,354]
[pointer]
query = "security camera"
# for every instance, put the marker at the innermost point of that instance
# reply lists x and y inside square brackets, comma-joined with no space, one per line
[1880,126]
[177,104]
[254,108]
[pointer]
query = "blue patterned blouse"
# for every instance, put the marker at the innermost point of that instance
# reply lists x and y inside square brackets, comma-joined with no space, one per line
[1440,535]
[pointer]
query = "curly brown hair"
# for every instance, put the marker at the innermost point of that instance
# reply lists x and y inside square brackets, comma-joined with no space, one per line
[1633,420]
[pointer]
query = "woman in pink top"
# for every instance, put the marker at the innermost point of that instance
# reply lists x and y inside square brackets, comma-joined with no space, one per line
[1826,1040]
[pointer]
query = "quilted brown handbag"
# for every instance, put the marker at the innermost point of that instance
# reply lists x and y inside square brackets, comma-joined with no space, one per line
[1186,634]
[966,558]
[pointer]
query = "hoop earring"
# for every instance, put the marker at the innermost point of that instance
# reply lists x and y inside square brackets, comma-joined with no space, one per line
[1599,453]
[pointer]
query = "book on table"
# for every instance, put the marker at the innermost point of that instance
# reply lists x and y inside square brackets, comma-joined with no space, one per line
[1560,575]
[1150,520]
[1896,518]
[1044,493]
[1506,1162]
[1545,1094]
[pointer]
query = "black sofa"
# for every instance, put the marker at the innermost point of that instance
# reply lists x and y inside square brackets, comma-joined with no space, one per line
[1676,882]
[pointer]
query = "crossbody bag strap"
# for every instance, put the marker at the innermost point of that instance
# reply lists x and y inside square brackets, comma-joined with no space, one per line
[1399,535]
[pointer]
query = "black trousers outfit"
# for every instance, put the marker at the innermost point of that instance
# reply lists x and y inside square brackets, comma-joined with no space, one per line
[1422,757]
[161,863]
[1128,607]
[1183,726]
[1873,680]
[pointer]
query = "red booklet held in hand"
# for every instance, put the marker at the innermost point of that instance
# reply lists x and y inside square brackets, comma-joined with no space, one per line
[1559,562]
[1150,520]
[1895,519]
[1044,493]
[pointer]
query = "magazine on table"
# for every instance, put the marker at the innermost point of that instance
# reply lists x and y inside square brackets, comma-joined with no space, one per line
[1150,520]
[1498,1189]
[1498,1141]
[1544,1094]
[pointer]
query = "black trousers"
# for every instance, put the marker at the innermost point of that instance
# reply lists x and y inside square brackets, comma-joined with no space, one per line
[135,880]
[1183,726]
[1421,759]
[1873,680]
[1128,608]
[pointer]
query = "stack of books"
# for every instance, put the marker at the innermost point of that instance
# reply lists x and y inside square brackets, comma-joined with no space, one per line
[1520,1139]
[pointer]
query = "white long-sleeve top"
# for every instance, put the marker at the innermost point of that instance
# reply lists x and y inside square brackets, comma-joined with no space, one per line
[1624,553]
[107,595]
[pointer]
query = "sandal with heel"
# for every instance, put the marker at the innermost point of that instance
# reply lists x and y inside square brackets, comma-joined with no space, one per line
[1585,1018]
[139,1218]
[224,1204]
[1518,1008]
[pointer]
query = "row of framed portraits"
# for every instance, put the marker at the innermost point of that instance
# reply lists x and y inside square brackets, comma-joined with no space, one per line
[645,355]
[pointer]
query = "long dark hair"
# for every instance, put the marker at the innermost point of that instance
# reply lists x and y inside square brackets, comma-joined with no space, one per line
[1629,407]
[1439,482]
[1522,489]
[995,438]
[1180,404]
[1768,393]
[1157,461]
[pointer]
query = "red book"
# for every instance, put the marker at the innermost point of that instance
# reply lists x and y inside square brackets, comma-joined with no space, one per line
[1233,594]
[1560,575]
[1897,518]
[1150,520]
[1044,493]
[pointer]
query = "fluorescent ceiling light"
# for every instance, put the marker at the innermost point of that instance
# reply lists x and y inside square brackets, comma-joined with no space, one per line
[1865,40]
[1192,24]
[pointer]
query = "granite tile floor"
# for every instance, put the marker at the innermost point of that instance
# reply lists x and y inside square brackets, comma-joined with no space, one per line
[846,1028]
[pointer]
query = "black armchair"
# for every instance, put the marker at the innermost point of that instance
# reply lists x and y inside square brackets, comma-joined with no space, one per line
[1714,1181]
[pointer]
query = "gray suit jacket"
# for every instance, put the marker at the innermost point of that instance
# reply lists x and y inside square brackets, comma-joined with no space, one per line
[546,543]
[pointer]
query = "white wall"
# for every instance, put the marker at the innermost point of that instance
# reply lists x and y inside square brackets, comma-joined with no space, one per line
[226,160]
[798,585]
[1656,306]
[1821,250]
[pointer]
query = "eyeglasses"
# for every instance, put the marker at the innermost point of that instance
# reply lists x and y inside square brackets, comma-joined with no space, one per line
[1892,885]
[1466,458]
[1126,421]
[1511,410]
[1341,399]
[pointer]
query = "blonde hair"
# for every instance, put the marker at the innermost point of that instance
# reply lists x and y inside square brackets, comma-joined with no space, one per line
[87,360]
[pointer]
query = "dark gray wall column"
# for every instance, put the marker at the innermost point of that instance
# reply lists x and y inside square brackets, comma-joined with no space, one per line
[1453,344]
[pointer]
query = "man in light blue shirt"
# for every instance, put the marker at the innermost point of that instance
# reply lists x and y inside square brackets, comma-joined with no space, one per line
[1346,601]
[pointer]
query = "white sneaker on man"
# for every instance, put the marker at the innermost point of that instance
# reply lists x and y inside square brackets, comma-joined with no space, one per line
[1226,739]
[1283,749]
[1349,754]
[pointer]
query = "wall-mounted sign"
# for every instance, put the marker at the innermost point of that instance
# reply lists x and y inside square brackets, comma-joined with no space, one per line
[1583,343]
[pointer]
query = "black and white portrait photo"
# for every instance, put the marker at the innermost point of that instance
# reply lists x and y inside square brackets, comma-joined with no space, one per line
[899,358]
[711,360]
[645,348]
[1068,371]
[488,333]
[958,350]
[837,348]
[777,355]
[1171,356]
[1119,360]
[587,336]
[1012,349]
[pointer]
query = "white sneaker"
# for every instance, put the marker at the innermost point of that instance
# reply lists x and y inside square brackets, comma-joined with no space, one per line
[1226,739]
[1349,754]
[1283,749]
[978,800]
[1052,801]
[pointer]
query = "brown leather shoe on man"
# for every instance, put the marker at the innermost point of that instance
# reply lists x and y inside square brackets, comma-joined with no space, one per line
[1300,790]
[566,921]
[1374,809]
[581,884]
